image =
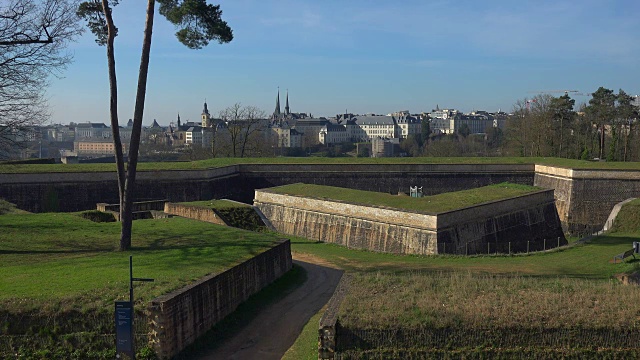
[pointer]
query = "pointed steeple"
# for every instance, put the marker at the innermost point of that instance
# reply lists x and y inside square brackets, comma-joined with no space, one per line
[277,110]
[286,107]
[437,107]
[205,110]
[178,120]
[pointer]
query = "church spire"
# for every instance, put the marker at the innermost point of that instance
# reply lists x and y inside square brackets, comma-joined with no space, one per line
[277,110]
[205,110]
[178,119]
[286,107]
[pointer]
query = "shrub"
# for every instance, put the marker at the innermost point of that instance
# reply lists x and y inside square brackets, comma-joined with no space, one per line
[98,216]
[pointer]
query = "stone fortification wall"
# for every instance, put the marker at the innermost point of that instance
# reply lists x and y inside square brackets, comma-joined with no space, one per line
[179,318]
[137,206]
[81,191]
[387,178]
[519,224]
[585,197]
[194,212]
[524,223]
[353,226]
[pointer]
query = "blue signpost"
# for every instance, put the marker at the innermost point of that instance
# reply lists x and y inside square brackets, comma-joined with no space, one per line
[124,327]
[124,315]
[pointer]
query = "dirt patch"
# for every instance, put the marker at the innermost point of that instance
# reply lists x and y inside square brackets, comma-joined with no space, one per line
[313,259]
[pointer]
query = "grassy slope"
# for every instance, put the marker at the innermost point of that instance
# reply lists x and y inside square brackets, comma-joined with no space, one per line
[430,204]
[218,162]
[216,204]
[46,259]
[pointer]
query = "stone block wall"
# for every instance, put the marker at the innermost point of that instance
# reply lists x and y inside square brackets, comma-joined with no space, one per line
[194,212]
[353,226]
[585,198]
[179,318]
[137,206]
[524,223]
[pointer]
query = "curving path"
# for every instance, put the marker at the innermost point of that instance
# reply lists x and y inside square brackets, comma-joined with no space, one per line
[275,329]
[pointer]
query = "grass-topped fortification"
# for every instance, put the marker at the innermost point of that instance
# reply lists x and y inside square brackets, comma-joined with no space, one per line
[231,213]
[427,204]
[501,218]
[220,162]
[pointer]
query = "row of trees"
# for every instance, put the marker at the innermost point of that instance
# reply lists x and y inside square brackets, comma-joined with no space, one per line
[605,128]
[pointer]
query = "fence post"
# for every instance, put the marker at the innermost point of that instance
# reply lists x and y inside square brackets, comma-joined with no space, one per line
[509,247]
[466,250]
[558,241]
[544,244]
[527,246]
[488,248]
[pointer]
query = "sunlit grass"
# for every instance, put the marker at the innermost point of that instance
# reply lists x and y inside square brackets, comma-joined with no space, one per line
[58,260]
[430,204]
[219,162]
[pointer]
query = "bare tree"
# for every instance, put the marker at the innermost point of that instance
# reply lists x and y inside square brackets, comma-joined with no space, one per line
[198,23]
[243,123]
[33,39]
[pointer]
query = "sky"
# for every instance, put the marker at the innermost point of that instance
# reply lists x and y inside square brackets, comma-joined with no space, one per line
[360,56]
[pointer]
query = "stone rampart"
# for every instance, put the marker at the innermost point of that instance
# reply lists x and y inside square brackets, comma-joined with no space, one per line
[194,212]
[137,206]
[524,223]
[584,198]
[387,178]
[179,318]
[81,191]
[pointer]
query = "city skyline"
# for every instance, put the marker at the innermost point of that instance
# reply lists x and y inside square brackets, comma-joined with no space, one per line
[362,57]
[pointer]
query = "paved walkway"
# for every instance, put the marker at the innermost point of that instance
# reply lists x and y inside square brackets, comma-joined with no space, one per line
[275,329]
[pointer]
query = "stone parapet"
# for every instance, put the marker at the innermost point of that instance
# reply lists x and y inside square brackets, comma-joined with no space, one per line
[523,223]
[179,318]
[194,212]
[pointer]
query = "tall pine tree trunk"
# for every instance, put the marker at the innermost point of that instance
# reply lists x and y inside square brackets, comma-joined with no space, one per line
[113,103]
[129,187]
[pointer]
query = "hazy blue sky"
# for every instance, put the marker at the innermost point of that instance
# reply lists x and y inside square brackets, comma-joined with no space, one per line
[361,56]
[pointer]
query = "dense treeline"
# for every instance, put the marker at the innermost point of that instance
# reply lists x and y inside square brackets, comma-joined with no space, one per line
[606,127]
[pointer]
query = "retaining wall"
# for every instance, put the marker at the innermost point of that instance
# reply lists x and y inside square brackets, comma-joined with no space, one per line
[179,318]
[585,197]
[523,223]
[194,212]
[137,206]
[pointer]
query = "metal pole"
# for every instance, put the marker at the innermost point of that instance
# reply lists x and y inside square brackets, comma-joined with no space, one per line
[133,310]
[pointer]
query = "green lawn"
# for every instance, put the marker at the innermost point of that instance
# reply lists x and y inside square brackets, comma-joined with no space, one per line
[216,204]
[428,204]
[58,260]
[589,260]
[218,162]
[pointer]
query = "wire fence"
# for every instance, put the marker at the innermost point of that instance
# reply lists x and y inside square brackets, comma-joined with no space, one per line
[466,337]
